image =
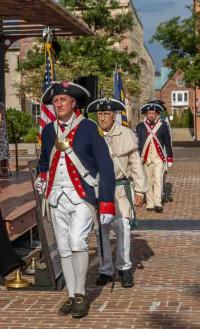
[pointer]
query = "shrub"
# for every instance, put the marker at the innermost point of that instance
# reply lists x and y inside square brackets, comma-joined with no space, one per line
[31,136]
[19,123]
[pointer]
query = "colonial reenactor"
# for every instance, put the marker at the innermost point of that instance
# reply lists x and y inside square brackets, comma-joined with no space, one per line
[156,152]
[73,155]
[123,147]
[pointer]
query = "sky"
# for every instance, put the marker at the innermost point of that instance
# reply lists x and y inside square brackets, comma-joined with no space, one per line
[153,12]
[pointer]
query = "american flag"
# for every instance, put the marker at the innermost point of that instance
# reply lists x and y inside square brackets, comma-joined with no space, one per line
[119,95]
[47,113]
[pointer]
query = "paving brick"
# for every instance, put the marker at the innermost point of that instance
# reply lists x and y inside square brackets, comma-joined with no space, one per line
[166,269]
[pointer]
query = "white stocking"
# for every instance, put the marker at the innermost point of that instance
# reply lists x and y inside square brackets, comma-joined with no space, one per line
[68,273]
[80,260]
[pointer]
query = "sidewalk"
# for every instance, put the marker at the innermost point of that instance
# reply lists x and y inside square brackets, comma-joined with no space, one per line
[183,180]
[166,270]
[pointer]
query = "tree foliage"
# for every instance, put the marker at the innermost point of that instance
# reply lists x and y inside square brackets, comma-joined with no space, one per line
[18,123]
[181,38]
[87,55]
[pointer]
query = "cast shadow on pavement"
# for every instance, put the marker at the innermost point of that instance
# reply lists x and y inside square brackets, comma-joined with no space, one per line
[140,252]
[194,290]
[169,224]
[167,192]
[169,320]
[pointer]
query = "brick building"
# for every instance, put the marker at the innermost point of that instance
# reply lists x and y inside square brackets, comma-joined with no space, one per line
[197,92]
[178,97]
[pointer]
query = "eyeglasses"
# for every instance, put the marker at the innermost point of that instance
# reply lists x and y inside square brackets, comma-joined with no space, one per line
[105,114]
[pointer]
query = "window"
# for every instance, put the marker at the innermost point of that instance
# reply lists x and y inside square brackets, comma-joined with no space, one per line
[35,112]
[180,98]
[185,96]
[180,83]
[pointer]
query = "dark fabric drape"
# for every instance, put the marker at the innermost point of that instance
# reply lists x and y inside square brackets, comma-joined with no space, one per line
[9,260]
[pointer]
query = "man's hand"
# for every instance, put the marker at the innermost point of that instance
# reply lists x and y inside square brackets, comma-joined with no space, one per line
[40,185]
[138,200]
[169,164]
[105,218]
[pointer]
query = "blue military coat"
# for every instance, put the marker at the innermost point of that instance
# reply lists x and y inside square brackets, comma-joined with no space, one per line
[163,135]
[93,152]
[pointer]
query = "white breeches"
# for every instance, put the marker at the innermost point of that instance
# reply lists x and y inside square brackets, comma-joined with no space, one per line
[121,227]
[72,224]
[154,173]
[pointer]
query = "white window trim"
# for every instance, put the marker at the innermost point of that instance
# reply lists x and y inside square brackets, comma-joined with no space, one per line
[36,117]
[179,103]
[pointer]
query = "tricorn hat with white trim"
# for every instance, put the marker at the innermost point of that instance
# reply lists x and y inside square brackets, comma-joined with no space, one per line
[106,104]
[151,106]
[74,90]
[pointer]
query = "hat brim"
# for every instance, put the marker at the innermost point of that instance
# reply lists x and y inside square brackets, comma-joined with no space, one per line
[151,107]
[159,102]
[79,93]
[105,104]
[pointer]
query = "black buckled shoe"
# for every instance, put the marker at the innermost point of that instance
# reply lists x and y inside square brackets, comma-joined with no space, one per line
[158,209]
[80,307]
[104,279]
[126,278]
[66,308]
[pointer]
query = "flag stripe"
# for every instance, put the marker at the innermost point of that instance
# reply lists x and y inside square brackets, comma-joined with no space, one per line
[48,111]
[42,123]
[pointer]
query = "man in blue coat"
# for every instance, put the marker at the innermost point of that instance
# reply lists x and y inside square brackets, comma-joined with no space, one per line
[75,170]
[155,148]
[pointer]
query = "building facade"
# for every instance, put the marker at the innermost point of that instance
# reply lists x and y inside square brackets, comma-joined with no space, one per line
[14,99]
[178,97]
[197,91]
[134,41]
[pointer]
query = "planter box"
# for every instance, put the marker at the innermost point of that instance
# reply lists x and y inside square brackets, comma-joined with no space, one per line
[25,150]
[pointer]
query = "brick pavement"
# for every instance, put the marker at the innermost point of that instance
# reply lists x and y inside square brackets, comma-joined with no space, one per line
[183,183]
[166,270]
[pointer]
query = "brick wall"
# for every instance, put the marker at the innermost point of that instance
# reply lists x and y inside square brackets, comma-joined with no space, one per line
[198,114]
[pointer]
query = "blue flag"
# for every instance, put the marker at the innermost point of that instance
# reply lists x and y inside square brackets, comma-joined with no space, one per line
[118,93]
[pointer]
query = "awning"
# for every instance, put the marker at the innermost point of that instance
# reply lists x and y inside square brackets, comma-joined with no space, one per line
[27,18]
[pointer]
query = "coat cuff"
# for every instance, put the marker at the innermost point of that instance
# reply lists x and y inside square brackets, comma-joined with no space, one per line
[170,159]
[43,175]
[107,208]
[139,193]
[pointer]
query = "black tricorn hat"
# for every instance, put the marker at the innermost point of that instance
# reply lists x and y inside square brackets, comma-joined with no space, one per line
[106,104]
[74,90]
[161,103]
[151,106]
